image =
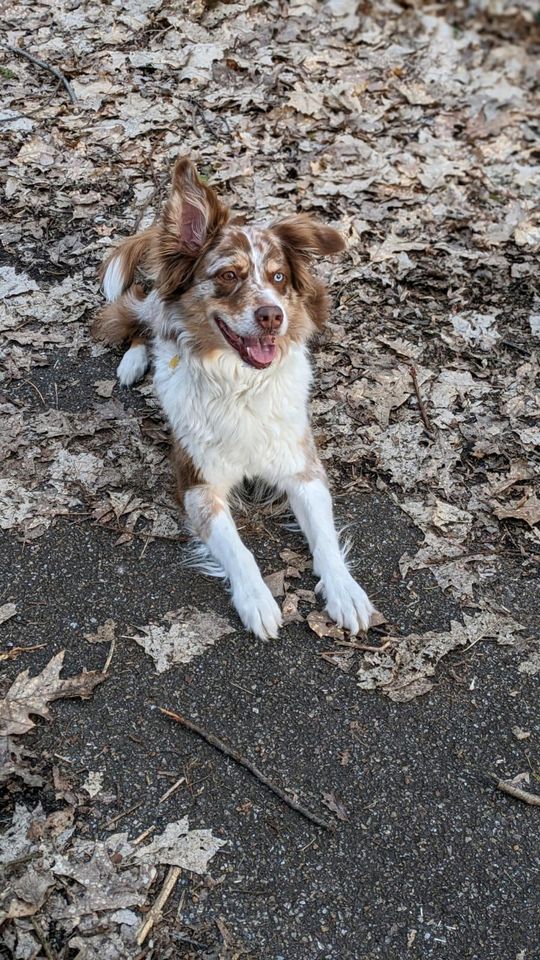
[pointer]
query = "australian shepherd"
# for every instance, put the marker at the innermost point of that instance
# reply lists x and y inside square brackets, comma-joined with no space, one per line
[227,321]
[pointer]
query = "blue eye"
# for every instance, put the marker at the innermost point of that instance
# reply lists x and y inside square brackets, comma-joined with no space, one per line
[278,277]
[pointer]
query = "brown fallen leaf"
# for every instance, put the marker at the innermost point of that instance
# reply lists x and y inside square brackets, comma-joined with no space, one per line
[31,695]
[276,583]
[104,633]
[331,801]
[289,609]
[7,611]
[526,509]
[104,388]
[320,623]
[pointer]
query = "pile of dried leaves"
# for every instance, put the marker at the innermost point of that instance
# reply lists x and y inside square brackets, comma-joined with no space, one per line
[93,894]
[408,126]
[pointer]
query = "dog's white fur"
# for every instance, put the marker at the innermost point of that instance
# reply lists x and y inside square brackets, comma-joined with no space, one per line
[238,422]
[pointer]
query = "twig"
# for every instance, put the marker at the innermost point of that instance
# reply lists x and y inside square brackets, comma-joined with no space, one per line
[371,648]
[172,789]
[125,813]
[142,836]
[47,950]
[15,651]
[423,412]
[532,798]
[234,755]
[45,66]
[154,914]
[109,655]
[38,391]
[210,124]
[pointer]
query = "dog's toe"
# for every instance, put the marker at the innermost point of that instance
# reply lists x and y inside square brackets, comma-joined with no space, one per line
[347,604]
[258,611]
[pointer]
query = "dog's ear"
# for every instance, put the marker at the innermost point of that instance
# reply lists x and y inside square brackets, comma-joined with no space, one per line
[303,235]
[191,218]
[193,213]
[303,238]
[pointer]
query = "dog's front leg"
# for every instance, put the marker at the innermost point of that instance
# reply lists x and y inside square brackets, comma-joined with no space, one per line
[211,520]
[311,503]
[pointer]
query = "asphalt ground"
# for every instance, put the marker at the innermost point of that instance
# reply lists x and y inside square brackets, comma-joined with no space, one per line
[432,861]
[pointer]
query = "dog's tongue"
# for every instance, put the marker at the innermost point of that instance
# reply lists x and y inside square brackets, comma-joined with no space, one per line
[261,351]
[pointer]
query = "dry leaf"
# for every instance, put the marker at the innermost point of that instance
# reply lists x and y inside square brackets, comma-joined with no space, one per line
[105,633]
[7,610]
[526,509]
[31,695]
[323,626]
[331,801]
[276,583]
[181,847]
[187,633]
[405,672]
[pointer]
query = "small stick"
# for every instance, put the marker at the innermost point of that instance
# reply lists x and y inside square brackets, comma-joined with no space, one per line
[15,651]
[142,836]
[46,947]
[154,914]
[172,789]
[109,655]
[38,391]
[125,813]
[45,66]
[532,798]
[423,412]
[234,755]
[371,648]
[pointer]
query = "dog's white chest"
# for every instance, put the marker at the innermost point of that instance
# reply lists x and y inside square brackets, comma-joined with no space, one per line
[234,421]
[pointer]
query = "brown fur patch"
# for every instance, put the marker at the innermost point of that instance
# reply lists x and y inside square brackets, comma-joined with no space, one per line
[119,321]
[133,252]
[188,478]
[192,218]
[186,473]
[313,469]
[210,504]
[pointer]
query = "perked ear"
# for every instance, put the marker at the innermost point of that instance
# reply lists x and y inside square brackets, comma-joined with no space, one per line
[193,213]
[300,234]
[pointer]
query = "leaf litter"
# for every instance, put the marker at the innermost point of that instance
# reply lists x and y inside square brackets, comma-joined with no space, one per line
[409,129]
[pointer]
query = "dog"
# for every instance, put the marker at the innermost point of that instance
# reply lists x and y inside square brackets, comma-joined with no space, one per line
[228,320]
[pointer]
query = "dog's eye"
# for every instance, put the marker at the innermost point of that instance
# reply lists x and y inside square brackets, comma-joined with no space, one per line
[278,277]
[229,275]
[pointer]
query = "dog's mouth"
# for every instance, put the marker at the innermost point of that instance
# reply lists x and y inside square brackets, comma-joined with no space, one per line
[258,352]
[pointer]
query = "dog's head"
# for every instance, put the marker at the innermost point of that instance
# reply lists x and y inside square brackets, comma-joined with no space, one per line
[245,289]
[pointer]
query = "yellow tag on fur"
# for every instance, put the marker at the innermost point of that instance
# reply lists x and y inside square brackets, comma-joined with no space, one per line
[174,361]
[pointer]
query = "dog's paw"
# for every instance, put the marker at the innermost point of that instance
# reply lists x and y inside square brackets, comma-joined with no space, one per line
[258,610]
[347,604]
[133,365]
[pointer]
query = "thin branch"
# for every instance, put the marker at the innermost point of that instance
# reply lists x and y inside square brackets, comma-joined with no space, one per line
[369,647]
[154,914]
[45,66]
[120,816]
[45,945]
[234,755]
[531,798]
[421,405]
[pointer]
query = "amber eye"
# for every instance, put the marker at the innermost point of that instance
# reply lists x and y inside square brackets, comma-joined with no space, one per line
[229,275]
[279,277]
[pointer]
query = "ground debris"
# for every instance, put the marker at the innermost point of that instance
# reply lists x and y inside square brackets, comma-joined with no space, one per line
[185,634]
[29,696]
[87,885]
[405,670]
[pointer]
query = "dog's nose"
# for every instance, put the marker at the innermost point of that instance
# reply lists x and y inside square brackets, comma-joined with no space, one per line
[269,317]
